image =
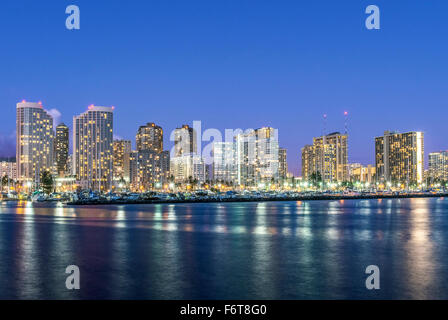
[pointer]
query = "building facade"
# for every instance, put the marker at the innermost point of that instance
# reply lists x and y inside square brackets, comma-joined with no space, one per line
[283,164]
[93,148]
[8,169]
[224,162]
[149,170]
[35,138]
[364,174]
[308,162]
[399,157]
[257,157]
[328,155]
[188,168]
[184,141]
[438,165]
[121,161]
[150,137]
[61,148]
[267,154]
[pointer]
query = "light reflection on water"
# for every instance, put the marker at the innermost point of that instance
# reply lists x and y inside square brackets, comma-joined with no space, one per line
[267,250]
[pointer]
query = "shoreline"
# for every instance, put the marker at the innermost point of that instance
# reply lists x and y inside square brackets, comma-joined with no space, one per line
[265,199]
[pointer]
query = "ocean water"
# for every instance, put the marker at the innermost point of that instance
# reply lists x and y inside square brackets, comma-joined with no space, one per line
[266,250]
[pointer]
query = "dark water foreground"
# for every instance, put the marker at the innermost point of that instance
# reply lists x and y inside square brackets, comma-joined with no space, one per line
[266,250]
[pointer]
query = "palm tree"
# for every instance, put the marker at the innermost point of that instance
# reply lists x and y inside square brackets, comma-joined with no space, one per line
[4,181]
[47,181]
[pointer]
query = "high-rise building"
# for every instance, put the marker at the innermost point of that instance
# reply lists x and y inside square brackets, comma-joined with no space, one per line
[185,141]
[308,162]
[283,164]
[35,138]
[93,147]
[246,158]
[150,137]
[61,147]
[399,157]
[8,169]
[328,156]
[438,165]
[267,154]
[257,158]
[188,168]
[149,169]
[224,162]
[122,151]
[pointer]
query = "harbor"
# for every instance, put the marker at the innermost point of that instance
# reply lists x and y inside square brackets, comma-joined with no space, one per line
[89,197]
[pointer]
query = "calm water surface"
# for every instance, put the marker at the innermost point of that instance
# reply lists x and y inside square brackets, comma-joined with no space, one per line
[268,250]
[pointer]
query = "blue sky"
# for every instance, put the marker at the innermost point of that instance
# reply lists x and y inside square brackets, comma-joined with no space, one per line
[233,64]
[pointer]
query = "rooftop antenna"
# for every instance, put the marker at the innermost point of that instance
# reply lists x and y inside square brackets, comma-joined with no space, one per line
[346,121]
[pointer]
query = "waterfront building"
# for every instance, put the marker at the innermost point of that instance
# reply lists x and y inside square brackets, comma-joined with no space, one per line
[93,148]
[399,157]
[188,169]
[9,169]
[35,138]
[328,155]
[438,165]
[283,164]
[121,158]
[61,148]
[308,162]
[360,173]
[257,156]
[149,169]
[246,158]
[185,141]
[267,154]
[150,137]
[352,167]
[224,162]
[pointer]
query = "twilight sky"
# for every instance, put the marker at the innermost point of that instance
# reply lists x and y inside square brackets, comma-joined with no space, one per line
[233,64]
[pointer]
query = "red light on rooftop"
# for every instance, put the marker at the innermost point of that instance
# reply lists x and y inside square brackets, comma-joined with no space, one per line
[345,113]
[91,107]
[23,101]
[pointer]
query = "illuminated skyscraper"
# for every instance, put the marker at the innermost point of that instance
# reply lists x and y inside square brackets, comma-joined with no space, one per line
[93,147]
[149,169]
[9,169]
[61,149]
[283,164]
[150,165]
[185,141]
[122,151]
[328,155]
[188,168]
[150,137]
[438,165]
[267,162]
[257,156]
[35,138]
[308,162]
[399,157]
[224,162]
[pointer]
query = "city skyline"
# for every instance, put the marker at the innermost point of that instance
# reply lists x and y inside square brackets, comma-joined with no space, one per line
[282,66]
[177,135]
